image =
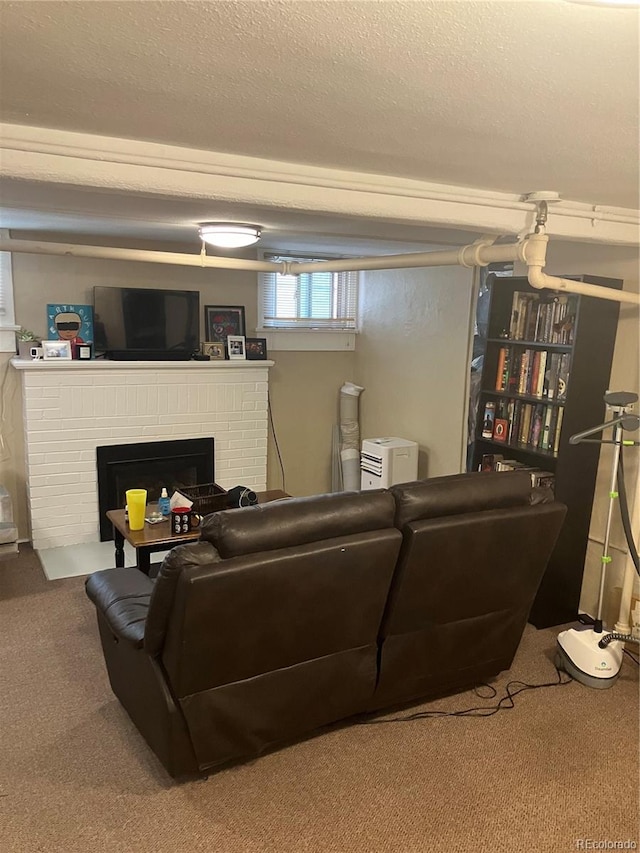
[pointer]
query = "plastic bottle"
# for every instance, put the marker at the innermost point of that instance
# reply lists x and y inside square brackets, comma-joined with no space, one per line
[164,504]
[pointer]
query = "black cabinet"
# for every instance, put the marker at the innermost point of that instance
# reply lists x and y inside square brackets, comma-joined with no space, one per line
[546,368]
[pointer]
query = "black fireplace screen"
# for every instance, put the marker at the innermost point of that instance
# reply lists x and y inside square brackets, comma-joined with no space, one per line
[151,465]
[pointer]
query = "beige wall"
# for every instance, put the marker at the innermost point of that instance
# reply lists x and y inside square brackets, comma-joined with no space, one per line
[412,359]
[623,263]
[304,393]
[304,386]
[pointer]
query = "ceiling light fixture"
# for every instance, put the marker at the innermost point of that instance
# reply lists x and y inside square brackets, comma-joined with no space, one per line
[229,235]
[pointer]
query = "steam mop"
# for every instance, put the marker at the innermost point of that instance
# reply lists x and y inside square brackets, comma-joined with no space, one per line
[586,653]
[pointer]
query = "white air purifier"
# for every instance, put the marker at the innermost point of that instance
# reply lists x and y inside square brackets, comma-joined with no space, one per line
[387,461]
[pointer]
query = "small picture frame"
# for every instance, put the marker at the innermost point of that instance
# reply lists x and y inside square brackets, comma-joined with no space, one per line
[256,349]
[236,347]
[83,352]
[214,349]
[56,350]
[220,321]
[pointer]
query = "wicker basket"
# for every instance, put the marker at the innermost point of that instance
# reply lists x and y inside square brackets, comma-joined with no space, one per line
[208,497]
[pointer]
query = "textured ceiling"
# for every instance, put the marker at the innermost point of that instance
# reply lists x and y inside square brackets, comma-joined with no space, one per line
[501,95]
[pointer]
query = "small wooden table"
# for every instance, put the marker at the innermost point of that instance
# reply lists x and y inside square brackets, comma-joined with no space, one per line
[158,537]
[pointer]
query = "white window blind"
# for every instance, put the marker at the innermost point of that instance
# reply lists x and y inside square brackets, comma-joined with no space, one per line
[319,300]
[7,327]
[6,290]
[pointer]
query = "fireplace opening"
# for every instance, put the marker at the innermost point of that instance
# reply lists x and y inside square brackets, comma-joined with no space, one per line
[150,465]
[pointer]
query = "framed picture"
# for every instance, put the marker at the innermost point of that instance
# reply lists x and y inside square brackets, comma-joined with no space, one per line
[220,321]
[214,349]
[256,349]
[56,350]
[236,347]
[73,323]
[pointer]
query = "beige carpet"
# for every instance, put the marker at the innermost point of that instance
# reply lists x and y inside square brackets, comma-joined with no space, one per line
[76,777]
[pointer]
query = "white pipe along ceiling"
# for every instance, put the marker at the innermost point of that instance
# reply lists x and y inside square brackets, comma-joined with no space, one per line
[531,250]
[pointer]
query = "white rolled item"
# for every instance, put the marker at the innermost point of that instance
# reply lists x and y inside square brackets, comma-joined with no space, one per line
[350,435]
[350,469]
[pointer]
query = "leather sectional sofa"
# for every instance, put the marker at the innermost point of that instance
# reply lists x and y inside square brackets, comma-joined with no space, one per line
[289,616]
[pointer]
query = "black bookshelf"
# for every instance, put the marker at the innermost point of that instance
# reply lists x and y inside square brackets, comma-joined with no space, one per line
[589,333]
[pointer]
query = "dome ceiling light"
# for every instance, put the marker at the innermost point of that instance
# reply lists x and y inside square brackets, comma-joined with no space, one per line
[229,235]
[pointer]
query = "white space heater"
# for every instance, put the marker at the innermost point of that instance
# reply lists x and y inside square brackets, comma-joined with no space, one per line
[386,461]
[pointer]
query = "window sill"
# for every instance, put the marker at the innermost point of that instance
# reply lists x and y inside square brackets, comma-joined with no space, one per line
[307,340]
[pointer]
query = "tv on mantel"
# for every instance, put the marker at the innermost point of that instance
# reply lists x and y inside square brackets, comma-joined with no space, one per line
[141,324]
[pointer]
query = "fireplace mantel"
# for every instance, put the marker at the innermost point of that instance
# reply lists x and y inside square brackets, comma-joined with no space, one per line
[72,407]
[32,364]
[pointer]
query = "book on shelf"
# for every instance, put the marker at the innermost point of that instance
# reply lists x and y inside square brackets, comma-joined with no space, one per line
[500,374]
[514,371]
[563,375]
[488,419]
[542,364]
[490,461]
[513,323]
[532,385]
[524,369]
[525,424]
[536,426]
[513,465]
[542,478]
[558,429]
[500,429]
[546,427]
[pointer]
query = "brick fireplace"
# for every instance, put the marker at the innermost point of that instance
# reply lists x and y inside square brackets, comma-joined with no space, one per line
[71,409]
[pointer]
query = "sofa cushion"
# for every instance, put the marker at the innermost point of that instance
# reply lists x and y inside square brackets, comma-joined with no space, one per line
[460,493]
[298,521]
[122,596]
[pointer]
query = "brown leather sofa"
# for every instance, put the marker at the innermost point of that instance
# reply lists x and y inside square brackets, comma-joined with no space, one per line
[289,616]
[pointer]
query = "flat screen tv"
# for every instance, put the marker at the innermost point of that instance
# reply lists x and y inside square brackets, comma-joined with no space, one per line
[143,324]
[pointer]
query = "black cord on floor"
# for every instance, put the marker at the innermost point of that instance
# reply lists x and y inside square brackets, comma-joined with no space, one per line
[504,704]
[275,441]
[633,657]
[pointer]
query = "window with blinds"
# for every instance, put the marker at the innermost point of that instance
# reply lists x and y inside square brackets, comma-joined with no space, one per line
[6,290]
[319,300]
[7,327]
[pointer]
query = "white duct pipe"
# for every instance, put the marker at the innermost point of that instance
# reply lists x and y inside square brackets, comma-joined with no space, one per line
[536,251]
[350,436]
[482,253]
[145,255]
[531,250]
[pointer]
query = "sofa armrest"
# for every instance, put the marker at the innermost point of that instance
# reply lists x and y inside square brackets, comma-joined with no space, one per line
[189,556]
[122,596]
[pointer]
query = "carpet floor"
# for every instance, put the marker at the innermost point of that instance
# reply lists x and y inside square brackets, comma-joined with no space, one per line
[556,772]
